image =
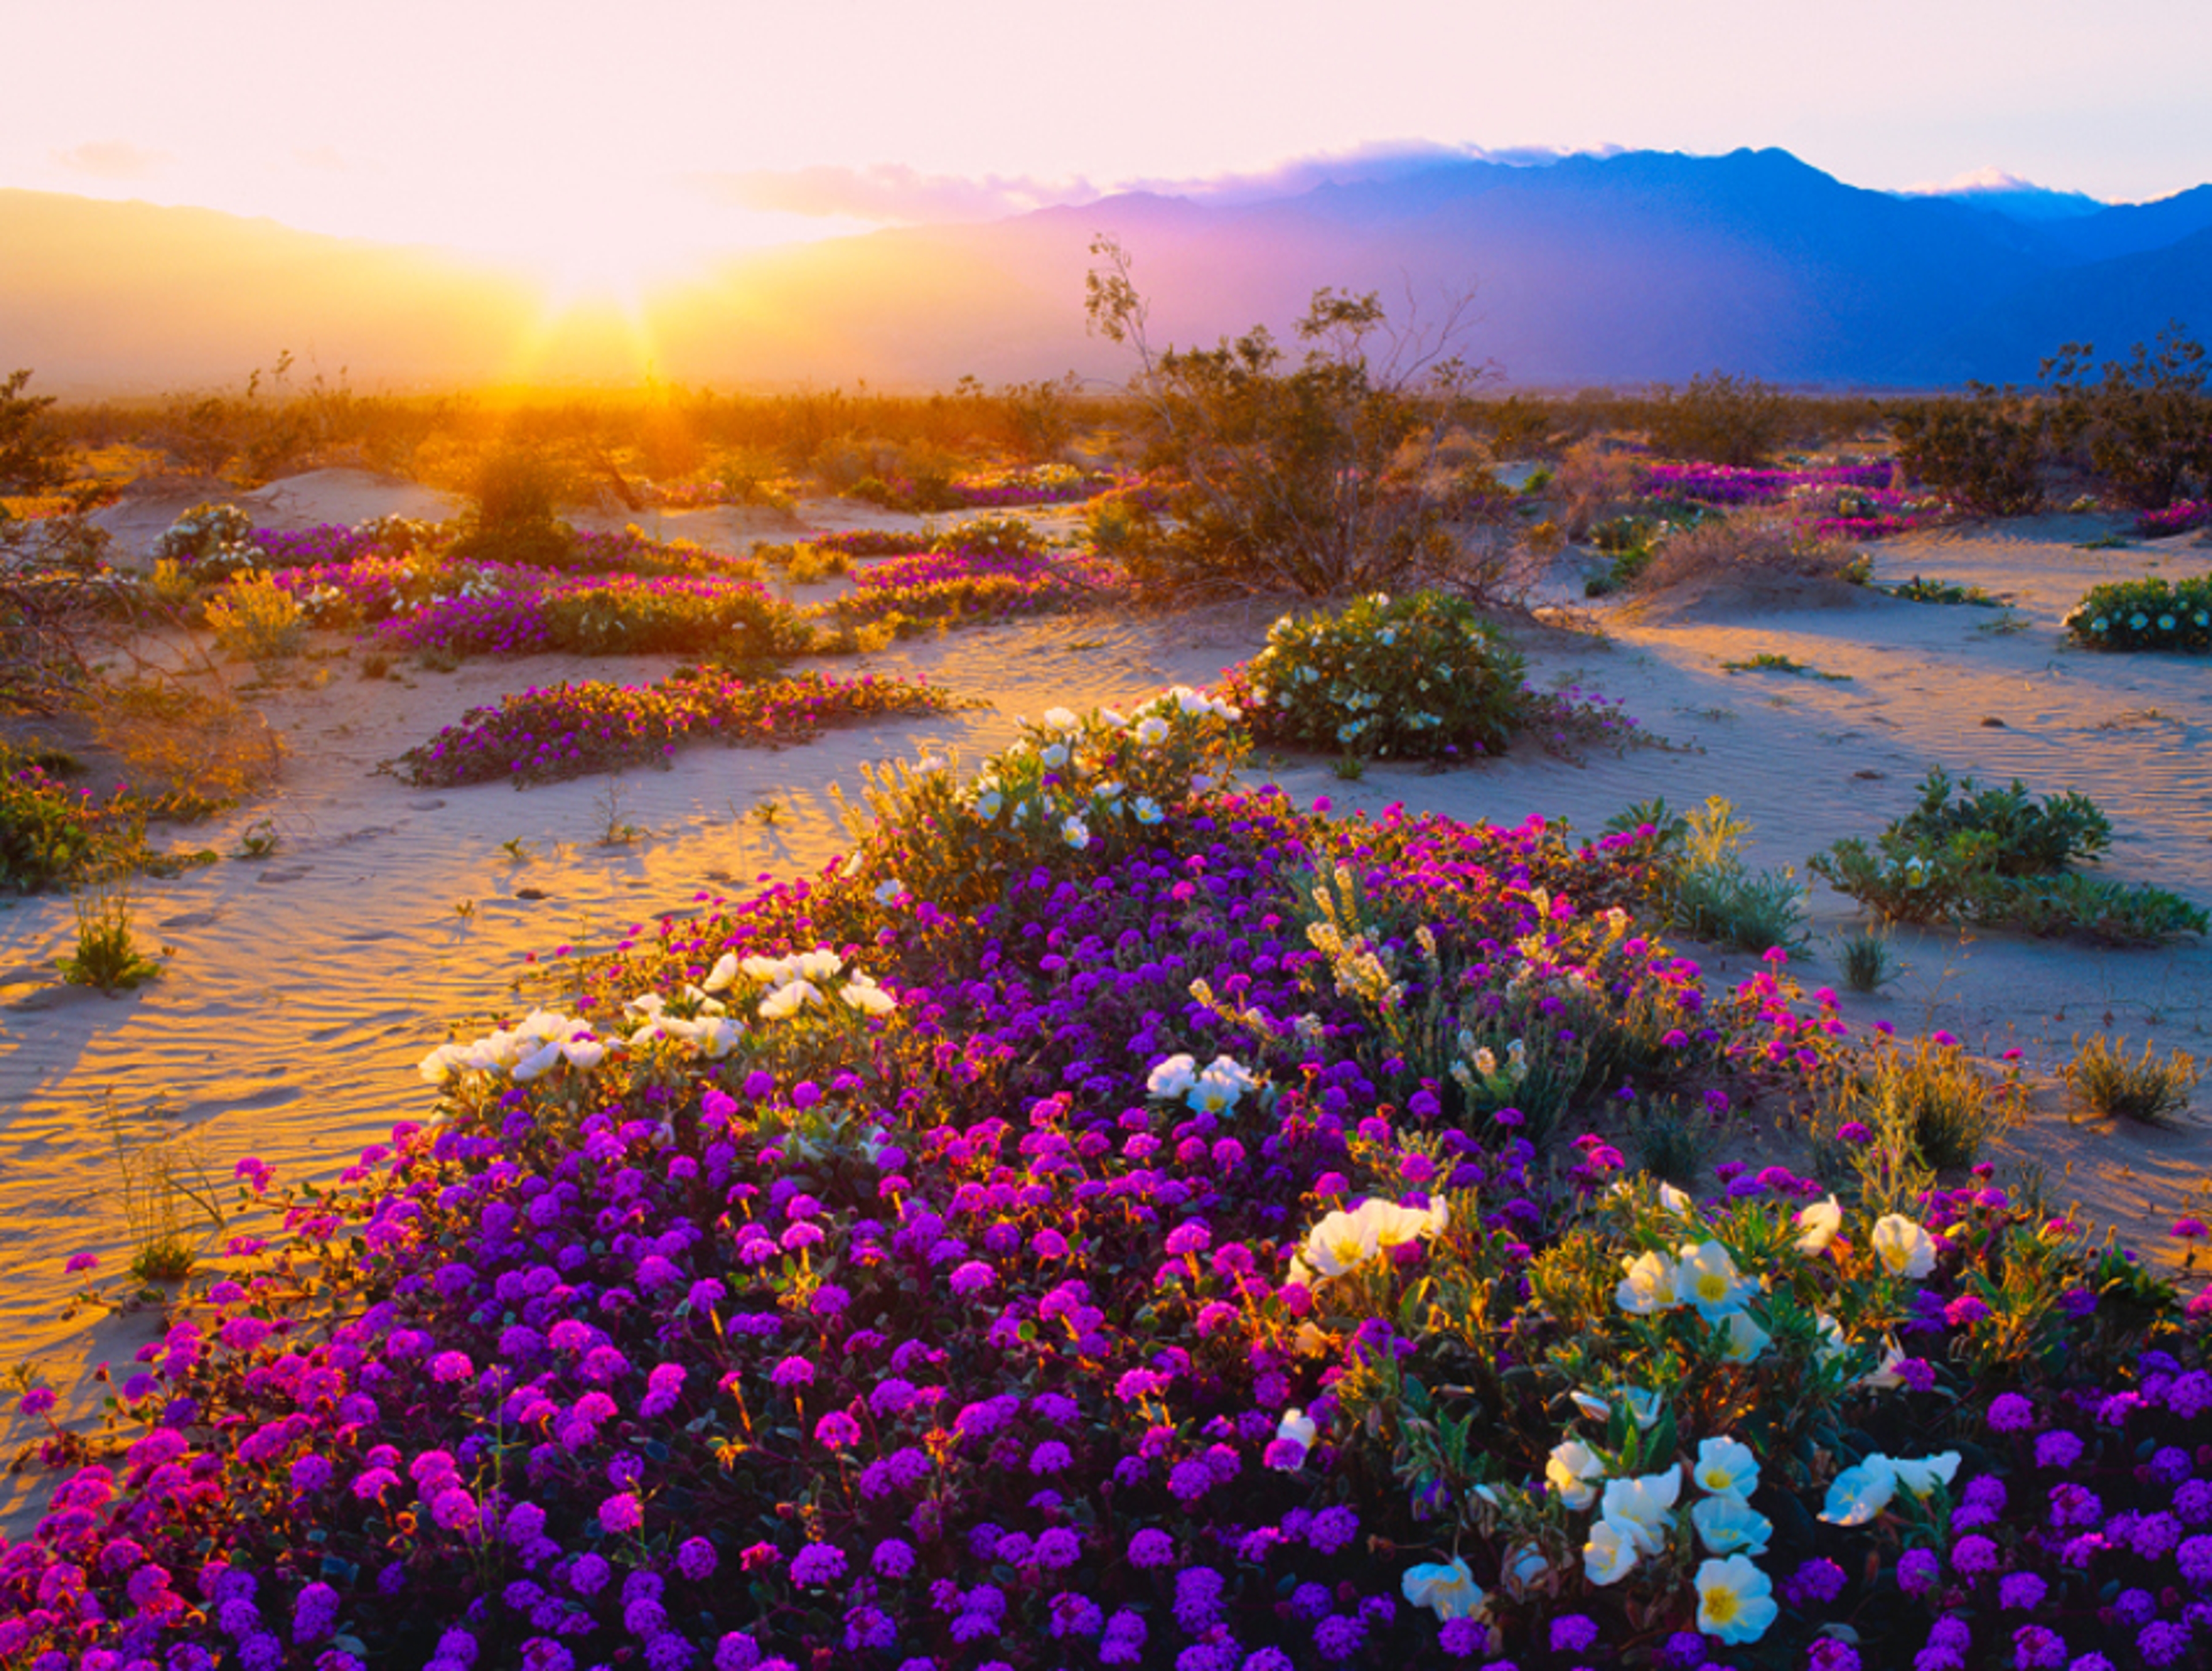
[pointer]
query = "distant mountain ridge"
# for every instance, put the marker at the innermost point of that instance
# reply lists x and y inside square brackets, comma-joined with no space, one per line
[1622,268]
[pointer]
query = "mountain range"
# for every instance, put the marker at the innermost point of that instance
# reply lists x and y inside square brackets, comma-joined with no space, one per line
[1623,268]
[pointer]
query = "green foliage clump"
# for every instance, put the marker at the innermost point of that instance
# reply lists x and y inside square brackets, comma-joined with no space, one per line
[1719,418]
[2110,1085]
[2029,838]
[2149,614]
[1422,677]
[1918,591]
[2000,860]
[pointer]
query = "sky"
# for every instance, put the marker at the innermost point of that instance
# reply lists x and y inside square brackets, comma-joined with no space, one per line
[602,145]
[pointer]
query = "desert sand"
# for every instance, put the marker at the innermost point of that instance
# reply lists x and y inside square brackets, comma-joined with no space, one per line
[303,988]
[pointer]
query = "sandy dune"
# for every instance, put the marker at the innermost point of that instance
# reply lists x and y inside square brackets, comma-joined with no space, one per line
[304,986]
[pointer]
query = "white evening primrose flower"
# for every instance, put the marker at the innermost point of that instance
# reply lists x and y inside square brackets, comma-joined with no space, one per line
[714,1037]
[1448,1590]
[1147,810]
[1649,1287]
[1053,757]
[1570,1471]
[1061,719]
[1886,1373]
[1725,1468]
[789,998]
[1173,1077]
[1151,730]
[1676,1200]
[1075,833]
[1707,1278]
[1219,1087]
[893,892]
[1921,1474]
[987,805]
[1736,1600]
[1590,1405]
[1819,1223]
[724,973]
[1857,1494]
[1112,716]
[1730,1526]
[1299,1429]
[1742,1339]
[1341,1242]
[1904,1248]
[1643,1406]
[1610,1552]
[1642,1506]
[442,1063]
[865,995]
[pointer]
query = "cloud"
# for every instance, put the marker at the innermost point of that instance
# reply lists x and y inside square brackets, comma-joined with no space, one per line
[889,192]
[113,159]
[892,194]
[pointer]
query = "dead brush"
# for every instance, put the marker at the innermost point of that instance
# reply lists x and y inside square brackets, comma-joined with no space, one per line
[1765,544]
[1592,483]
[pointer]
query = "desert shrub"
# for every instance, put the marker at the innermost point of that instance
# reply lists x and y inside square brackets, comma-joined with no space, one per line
[1595,481]
[1724,419]
[2109,1084]
[1756,543]
[254,617]
[1985,449]
[2152,613]
[2146,425]
[513,517]
[1315,478]
[1421,677]
[35,450]
[1999,859]
[1519,425]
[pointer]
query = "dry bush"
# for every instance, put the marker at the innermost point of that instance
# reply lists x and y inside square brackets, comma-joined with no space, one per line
[187,745]
[1593,481]
[1750,545]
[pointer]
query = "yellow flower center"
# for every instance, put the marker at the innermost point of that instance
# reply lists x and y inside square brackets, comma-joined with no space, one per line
[1712,1285]
[1721,1606]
